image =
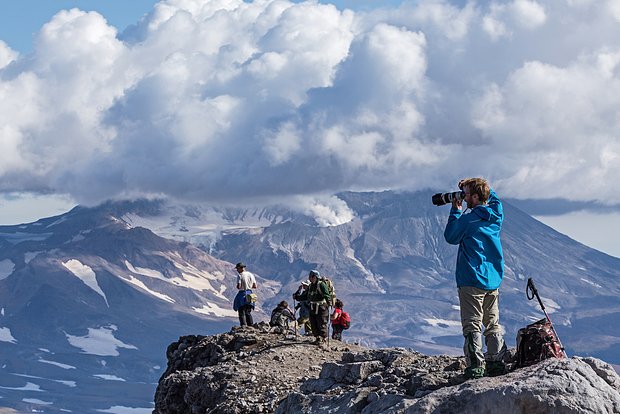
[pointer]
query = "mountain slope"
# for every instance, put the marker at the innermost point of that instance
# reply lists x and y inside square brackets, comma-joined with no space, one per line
[394,271]
[90,298]
[88,303]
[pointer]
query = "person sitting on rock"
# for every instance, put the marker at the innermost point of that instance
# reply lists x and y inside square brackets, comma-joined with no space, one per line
[281,315]
[337,322]
[318,296]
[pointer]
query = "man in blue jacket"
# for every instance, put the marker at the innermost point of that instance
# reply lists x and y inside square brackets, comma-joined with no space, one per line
[479,273]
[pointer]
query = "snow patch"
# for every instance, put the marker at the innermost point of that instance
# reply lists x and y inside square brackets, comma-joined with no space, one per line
[58,364]
[35,401]
[86,275]
[18,237]
[550,305]
[28,256]
[7,267]
[109,377]
[76,238]
[28,387]
[71,384]
[5,336]
[596,285]
[441,323]
[145,271]
[119,409]
[99,341]
[141,285]
[213,309]
[60,220]
[438,328]
[192,278]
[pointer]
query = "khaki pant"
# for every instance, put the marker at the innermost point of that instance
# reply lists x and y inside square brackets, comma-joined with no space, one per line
[480,308]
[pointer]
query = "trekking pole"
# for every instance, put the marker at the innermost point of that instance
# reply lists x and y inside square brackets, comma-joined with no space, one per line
[329,322]
[531,289]
[295,315]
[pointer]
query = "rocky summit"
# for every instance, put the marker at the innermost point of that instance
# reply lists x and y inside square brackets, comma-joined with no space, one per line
[257,370]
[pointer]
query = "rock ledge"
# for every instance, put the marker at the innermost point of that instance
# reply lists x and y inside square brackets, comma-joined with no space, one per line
[254,370]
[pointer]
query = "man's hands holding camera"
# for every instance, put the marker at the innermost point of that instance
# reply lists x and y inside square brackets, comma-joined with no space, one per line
[458,204]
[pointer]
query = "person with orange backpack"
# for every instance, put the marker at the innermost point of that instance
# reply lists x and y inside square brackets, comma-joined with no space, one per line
[340,320]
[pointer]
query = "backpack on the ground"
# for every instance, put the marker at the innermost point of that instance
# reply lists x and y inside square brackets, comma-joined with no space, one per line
[539,340]
[536,342]
[345,320]
[330,290]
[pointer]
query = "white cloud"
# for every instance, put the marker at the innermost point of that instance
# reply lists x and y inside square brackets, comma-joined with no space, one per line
[504,19]
[326,210]
[494,27]
[529,14]
[208,100]
[7,55]
[562,117]
[614,9]
[451,21]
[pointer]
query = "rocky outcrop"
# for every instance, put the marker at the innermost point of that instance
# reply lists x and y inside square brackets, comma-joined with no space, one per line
[254,370]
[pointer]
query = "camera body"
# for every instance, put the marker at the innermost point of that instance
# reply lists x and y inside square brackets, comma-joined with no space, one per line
[440,199]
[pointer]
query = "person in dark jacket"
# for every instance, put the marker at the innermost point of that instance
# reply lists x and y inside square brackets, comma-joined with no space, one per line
[479,273]
[304,311]
[317,295]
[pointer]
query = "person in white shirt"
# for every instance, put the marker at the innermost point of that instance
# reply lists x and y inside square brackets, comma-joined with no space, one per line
[245,283]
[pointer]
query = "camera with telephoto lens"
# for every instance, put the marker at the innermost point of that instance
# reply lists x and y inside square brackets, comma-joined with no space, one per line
[440,199]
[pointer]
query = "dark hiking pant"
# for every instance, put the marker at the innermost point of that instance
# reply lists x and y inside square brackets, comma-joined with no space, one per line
[319,317]
[245,315]
[337,332]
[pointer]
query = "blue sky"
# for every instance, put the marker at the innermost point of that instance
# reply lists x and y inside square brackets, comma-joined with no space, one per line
[381,95]
[20,19]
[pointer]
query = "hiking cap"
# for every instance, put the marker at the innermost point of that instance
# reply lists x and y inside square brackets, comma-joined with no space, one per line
[305,283]
[240,265]
[314,273]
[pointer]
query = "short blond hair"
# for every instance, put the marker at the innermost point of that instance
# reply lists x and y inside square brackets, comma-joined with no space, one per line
[478,186]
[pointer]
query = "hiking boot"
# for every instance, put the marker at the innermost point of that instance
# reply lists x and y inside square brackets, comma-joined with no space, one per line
[319,340]
[473,373]
[495,368]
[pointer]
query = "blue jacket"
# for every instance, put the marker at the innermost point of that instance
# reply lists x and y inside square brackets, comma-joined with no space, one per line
[480,261]
[240,301]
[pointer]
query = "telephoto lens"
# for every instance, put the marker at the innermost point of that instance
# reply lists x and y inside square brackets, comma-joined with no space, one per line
[440,199]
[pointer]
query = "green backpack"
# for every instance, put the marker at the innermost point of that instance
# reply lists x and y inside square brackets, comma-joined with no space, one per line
[330,290]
